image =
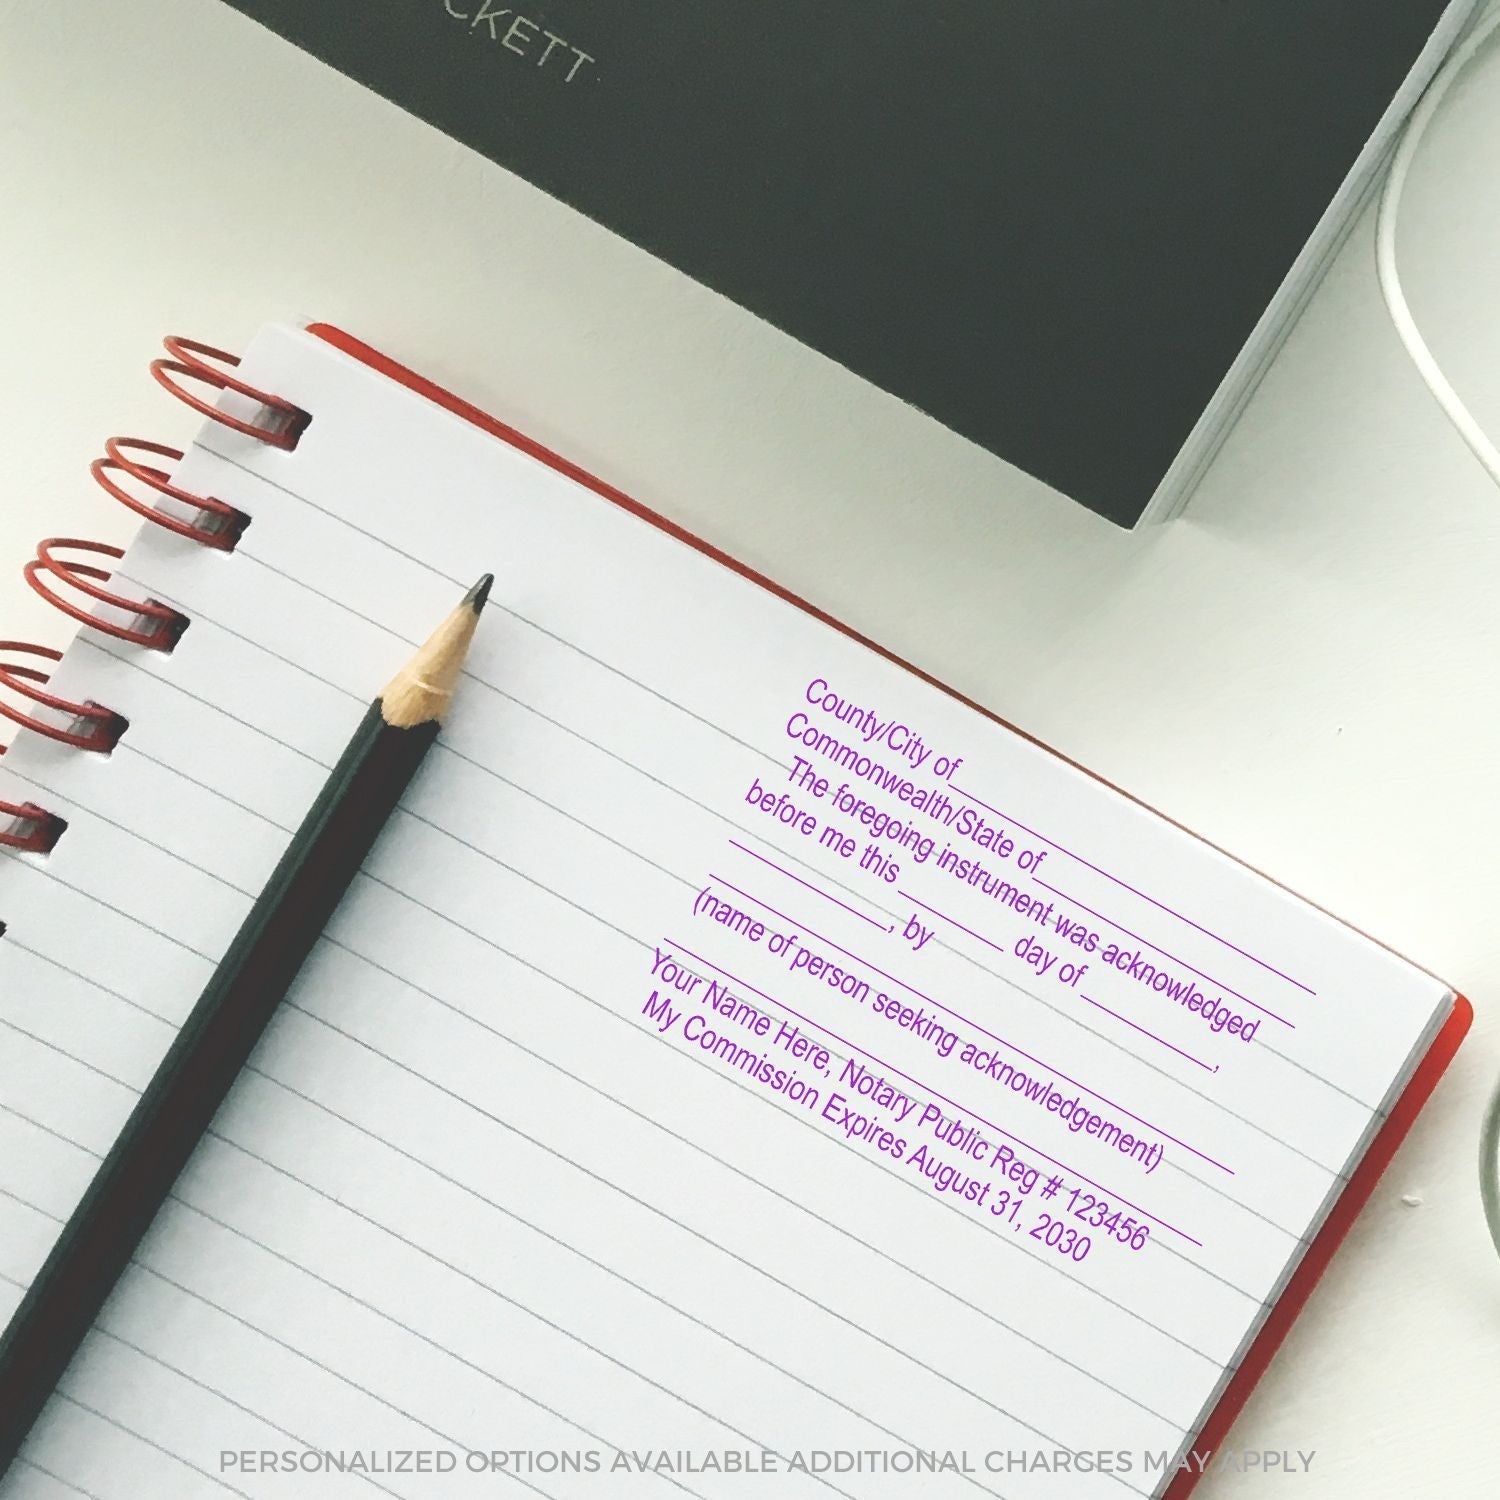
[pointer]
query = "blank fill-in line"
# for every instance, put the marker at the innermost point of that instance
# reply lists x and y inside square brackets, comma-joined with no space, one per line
[677,791]
[935,1284]
[808,885]
[954,922]
[1183,963]
[914,991]
[1134,890]
[563,641]
[1218,1104]
[1021,1052]
[314,677]
[929,1090]
[1165,1043]
[1175,1140]
[974,1025]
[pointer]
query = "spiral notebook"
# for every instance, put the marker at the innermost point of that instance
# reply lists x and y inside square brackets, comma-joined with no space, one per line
[742,1066]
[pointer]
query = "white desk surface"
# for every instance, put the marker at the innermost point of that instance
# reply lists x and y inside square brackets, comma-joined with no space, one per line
[1305,669]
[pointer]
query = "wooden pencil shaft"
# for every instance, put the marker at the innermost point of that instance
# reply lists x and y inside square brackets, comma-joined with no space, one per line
[180,1101]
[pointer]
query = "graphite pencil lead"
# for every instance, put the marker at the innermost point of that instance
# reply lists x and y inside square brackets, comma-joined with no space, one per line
[479,595]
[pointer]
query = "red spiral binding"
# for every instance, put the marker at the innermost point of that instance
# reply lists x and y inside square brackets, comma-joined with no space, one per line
[72,585]
[212,522]
[29,828]
[91,726]
[201,518]
[203,362]
[59,579]
[164,625]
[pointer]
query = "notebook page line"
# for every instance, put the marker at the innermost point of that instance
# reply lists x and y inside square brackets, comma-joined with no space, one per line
[39,869]
[258,476]
[323,1367]
[483,682]
[144,1268]
[544,802]
[562,640]
[94,812]
[489,1288]
[67,1484]
[719,1079]
[647,945]
[404,1327]
[497,1206]
[629,936]
[69,1398]
[353,697]
[126,748]
[1049,1263]
[140,1437]
[1107,1038]
[651,1208]
[419,818]
[156,1359]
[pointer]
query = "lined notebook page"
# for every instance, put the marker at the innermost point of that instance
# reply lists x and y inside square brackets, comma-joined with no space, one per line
[734,1044]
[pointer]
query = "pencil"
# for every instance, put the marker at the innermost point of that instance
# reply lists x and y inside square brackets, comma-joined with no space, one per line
[259,967]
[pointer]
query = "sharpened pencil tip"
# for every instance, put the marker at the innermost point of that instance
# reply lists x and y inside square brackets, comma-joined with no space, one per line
[479,595]
[420,693]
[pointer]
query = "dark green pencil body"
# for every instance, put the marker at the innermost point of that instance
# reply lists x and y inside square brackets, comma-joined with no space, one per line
[207,1055]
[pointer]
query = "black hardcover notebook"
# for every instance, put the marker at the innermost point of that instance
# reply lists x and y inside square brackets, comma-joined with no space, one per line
[1071,230]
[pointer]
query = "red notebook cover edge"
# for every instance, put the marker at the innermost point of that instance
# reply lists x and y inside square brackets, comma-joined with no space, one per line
[1357,1193]
[1362,1182]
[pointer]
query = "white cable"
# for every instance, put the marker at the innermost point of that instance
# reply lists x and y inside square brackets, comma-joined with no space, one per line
[1461,417]
[1489,1172]
[1385,250]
